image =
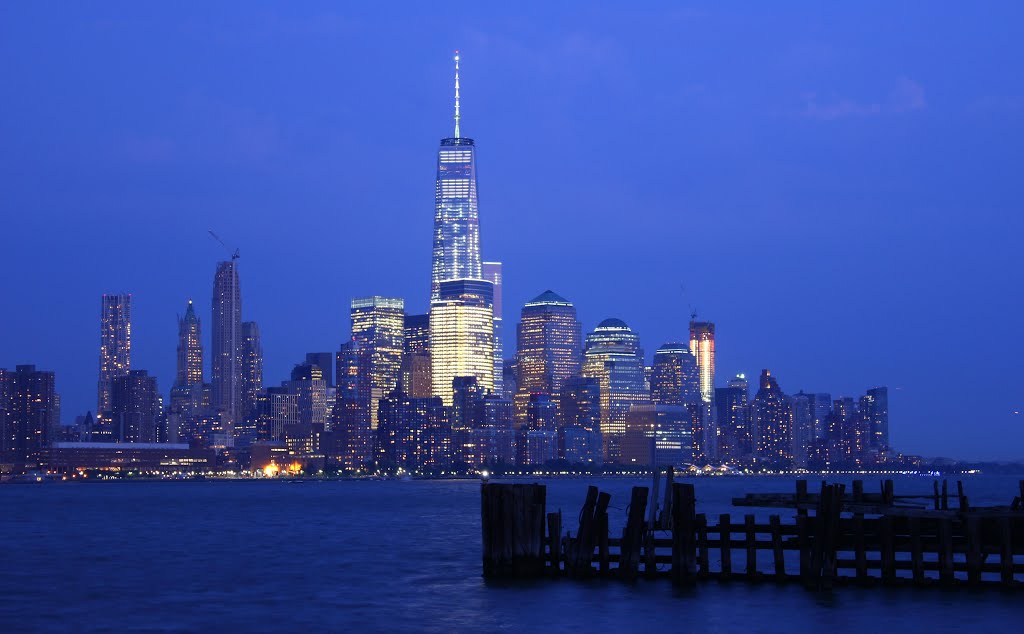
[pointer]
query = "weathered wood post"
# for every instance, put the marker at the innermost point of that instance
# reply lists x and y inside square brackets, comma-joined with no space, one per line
[725,545]
[633,535]
[751,539]
[916,551]
[555,542]
[946,549]
[601,522]
[512,517]
[801,497]
[973,549]
[703,559]
[684,507]
[1005,551]
[777,555]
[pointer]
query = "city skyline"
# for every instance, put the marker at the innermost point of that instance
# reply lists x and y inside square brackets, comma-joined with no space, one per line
[660,317]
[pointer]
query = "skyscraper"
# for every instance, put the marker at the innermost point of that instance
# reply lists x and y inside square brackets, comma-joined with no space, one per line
[378,324]
[548,348]
[115,345]
[190,349]
[702,345]
[492,272]
[135,407]
[226,348]
[30,417]
[351,416]
[462,335]
[456,253]
[416,357]
[613,356]
[733,408]
[876,411]
[675,378]
[252,377]
[773,422]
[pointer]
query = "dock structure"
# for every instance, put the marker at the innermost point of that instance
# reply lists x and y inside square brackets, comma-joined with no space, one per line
[836,537]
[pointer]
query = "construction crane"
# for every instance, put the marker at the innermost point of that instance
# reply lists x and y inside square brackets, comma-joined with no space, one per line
[235,255]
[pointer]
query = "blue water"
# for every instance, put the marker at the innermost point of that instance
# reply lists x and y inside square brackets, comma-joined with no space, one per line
[390,556]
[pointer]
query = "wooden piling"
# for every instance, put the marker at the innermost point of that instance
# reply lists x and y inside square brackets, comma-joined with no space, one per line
[751,540]
[666,507]
[916,554]
[860,551]
[683,534]
[777,555]
[725,545]
[946,549]
[581,553]
[935,495]
[633,535]
[513,529]
[945,495]
[601,521]
[703,559]
[887,540]
[554,542]
[803,542]
[973,549]
[1005,551]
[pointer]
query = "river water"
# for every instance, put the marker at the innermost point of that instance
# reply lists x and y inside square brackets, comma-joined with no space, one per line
[385,556]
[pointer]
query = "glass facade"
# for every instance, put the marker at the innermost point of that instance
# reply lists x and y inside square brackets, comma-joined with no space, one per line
[378,324]
[492,273]
[613,356]
[675,378]
[772,421]
[702,345]
[226,348]
[456,253]
[115,345]
[548,348]
[462,335]
[190,349]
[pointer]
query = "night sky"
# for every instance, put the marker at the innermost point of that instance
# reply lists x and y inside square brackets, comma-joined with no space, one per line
[837,188]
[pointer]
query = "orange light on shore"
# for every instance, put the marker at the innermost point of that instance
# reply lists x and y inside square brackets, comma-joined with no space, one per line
[270,470]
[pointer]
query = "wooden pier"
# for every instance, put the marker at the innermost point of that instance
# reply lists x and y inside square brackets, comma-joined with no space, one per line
[835,537]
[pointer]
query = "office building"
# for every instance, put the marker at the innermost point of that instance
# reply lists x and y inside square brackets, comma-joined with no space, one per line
[226,346]
[492,272]
[378,324]
[462,335]
[115,345]
[772,422]
[548,348]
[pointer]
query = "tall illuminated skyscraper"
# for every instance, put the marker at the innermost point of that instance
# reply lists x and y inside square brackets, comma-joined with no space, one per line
[226,348]
[613,356]
[462,335]
[492,272]
[190,349]
[548,348]
[675,378]
[456,222]
[252,377]
[378,324]
[702,346]
[115,346]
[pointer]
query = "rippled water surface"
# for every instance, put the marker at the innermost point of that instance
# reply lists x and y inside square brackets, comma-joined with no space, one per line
[390,556]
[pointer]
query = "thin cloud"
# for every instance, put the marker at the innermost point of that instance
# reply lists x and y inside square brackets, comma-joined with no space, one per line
[906,96]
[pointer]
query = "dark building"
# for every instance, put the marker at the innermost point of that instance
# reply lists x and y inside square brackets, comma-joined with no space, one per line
[675,379]
[135,408]
[732,404]
[803,428]
[352,423]
[876,410]
[252,380]
[413,434]
[226,348]
[657,436]
[580,420]
[29,418]
[115,345]
[326,361]
[275,409]
[467,402]
[772,422]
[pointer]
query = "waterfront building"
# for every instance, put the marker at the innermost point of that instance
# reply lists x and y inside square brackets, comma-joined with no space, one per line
[135,407]
[29,418]
[492,272]
[462,335]
[674,378]
[378,324]
[115,345]
[548,347]
[414,434]
[658,435]
[456,249]
[276,408]
[351,421]
[772,422]
[226,346]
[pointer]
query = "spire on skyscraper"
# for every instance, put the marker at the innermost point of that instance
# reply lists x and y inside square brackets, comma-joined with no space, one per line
[456,94]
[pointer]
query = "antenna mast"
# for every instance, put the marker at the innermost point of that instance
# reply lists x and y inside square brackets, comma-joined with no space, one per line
[457,94]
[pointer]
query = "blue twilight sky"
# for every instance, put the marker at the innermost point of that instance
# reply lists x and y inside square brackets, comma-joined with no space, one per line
[837,187]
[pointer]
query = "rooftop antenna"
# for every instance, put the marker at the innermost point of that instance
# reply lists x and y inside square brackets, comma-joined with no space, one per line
[234,256]
[456,94]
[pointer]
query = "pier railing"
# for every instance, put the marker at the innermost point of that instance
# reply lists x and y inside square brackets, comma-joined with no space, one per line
[835,537]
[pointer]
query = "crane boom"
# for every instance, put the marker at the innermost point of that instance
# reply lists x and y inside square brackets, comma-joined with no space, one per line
[235,255]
